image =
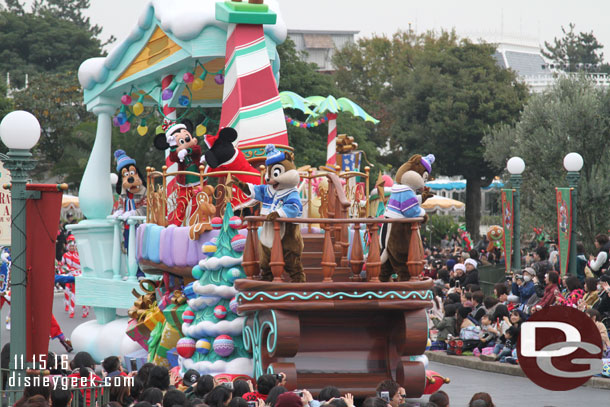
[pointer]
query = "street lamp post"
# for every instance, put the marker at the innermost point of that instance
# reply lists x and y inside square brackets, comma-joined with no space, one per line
[515,167]
[19,131]
[573,163]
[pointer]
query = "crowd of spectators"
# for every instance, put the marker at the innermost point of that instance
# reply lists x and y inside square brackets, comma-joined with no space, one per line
[467,320]
[156,386]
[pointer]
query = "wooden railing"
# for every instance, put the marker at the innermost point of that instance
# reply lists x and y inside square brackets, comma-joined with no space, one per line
[159,204]
[415,263]
[350,192]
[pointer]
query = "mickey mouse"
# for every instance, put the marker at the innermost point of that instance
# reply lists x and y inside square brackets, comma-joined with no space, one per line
[186,152]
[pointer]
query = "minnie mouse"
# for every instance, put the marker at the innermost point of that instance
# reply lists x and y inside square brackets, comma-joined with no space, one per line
[224,156]
[186,152]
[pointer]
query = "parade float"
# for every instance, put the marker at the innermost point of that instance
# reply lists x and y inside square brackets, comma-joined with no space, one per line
[201,291]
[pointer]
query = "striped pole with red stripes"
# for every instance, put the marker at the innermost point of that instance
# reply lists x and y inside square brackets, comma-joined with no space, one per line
[331,144]
[251,102]
[170,115]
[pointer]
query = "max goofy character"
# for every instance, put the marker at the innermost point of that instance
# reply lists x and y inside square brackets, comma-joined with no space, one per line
[280,199]
[132,193]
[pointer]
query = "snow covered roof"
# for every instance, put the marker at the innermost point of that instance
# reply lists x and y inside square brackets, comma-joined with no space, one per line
[182,20]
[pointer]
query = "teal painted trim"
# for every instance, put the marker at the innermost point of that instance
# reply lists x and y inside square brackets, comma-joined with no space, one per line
[179,57]
[257,112]
[120,58]
[328,295]
[103,293]
[245,51]
[253,339]
[227,15]
[104,315]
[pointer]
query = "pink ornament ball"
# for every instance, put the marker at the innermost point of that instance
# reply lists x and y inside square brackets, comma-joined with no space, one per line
[125,127]
[238,243]
[233,305]
[126,99]
[220,311]
[223,345]
[216,222]
[188,316]
[186,347]
[235,222]
[188,77]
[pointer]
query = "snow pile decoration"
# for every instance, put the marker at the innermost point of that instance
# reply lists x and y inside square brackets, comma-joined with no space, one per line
[216,329]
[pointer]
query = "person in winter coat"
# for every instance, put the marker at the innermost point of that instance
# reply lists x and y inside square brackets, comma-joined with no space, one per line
[600,263]
[524,287]
[446,327]
[551,291]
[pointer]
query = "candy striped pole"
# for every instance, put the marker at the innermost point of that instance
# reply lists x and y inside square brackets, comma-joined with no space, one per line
[251,102]
[331,145]
[170,115]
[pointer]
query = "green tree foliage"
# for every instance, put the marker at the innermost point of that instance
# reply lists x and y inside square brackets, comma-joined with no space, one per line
[439,95]
[310,144]
[574,51]
[573,116]
[51,38]
[56,101]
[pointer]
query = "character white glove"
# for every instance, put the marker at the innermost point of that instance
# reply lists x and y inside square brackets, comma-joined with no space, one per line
[182,154]
[171,140]
[202,160]
[127,215]
[117,213]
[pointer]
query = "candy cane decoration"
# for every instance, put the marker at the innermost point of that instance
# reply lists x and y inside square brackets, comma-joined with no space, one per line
[331,145]
[170,115]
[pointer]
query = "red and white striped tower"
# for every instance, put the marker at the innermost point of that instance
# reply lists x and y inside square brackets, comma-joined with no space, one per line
[251,102]
[170,115]
[331,144]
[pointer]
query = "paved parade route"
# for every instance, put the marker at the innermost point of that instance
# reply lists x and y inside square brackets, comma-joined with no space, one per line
[511,391]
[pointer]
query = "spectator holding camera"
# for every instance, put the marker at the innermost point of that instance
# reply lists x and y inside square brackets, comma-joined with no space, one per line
[523,286]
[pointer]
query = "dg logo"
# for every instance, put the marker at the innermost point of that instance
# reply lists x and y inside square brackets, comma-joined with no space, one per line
[559,348]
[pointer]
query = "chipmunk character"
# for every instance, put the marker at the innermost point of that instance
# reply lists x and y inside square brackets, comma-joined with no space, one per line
[186,152]
[131,187]
[224,156]
[404,202]
[280,198]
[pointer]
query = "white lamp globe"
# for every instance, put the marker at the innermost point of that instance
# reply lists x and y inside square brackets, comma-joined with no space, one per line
[515,166]
[573,162]
[19,130]
[113,178]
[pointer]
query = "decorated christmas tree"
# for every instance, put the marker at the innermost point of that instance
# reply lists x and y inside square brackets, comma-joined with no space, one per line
[212,342]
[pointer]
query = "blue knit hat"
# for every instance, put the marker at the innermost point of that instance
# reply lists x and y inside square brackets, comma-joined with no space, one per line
[122,160]
[427,162]
[273,156]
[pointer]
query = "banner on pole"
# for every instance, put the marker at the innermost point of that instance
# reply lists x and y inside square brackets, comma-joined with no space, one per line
[507,225]
[5,207]
[564,226]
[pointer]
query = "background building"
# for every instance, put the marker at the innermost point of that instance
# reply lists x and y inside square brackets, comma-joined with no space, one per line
[320,45]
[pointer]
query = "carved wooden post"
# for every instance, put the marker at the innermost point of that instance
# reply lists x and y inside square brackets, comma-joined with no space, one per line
[148,194]
[309,192]
[250,263]
[357,258]
[415,262]
[277,254]
[367,171]
[164,211]
[328,255]
[373,263]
